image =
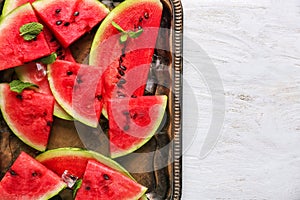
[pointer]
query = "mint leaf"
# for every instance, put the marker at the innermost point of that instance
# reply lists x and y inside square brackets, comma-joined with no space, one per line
[18,86]
[117,26]
[124,38]
[49,59]
[76,187]
[29,31]
[135,34]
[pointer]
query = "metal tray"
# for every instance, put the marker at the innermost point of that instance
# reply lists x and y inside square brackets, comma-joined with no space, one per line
[157,165]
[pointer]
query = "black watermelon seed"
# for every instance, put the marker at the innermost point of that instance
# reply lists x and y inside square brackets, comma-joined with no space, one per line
[66,23]
[99,97]
[78,80]
[139,27]
[122,73]
[69,73]
[146,15]
[59,22]
[19,96]
[133,116]
[87,188]
[105,176]
[126,128]
[133,96]
[122,81]
[76,13]
[57,11]
[123,67]
[141,19]
[12,172]
[34,174]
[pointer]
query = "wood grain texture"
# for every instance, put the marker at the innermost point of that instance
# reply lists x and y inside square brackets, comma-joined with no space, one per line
[255,46]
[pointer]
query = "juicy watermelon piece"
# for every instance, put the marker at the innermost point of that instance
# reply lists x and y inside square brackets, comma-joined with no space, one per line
[78,89]
[28,179]
[104,183]
[126,65]
[9,5]
[133,121]
[15,50]
[36,73]
[28,114]
[62,53]
[69,20]
[75,160]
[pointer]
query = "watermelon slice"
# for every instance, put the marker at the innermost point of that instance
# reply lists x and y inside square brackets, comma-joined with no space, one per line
[133,121]
[28,179]
[36,73]
[15,50]
[126,65]
[69,20]
[28,114]
[104,183]
[9,5]
[75,160]
[78,89]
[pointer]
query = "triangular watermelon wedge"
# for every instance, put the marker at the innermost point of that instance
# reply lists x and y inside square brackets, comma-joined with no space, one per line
[69,20]
[15,51]
[27,179]
[101,182]
[133,121]
[36,73]
[78,89]
[28,114]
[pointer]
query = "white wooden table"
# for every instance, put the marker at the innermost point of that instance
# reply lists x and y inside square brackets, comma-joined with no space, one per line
[254,46]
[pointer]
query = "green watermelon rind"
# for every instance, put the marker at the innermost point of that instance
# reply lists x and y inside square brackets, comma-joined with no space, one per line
[11,123]
[66,151]
[7,7]
[58,111]
[151,133]
[54,192]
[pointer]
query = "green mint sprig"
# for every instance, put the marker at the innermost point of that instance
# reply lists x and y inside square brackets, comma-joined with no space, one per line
[125,34]
[48,59]
[18,86]
[31,30]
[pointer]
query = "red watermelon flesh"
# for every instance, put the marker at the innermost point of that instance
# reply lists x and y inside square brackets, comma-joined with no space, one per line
[69,20]
[36,73]
[126,65]
[133,121]
[9,5]
[78,89]
[27,179]
[28,114]
[61,52]
[15,50]
[102,183]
